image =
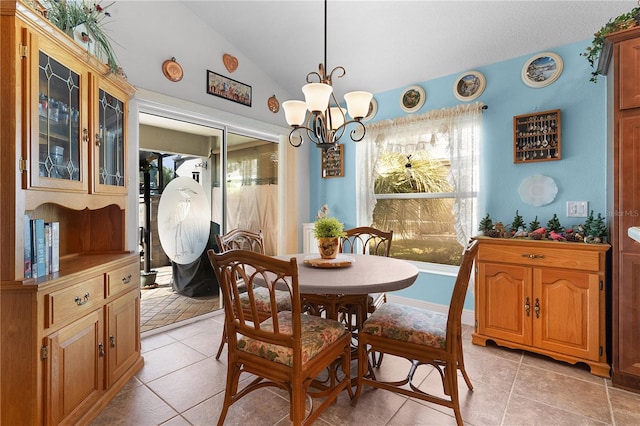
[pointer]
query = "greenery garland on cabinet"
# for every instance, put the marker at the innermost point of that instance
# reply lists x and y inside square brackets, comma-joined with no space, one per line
[593,230]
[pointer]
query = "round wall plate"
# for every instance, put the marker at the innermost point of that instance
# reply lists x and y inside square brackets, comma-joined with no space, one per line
[412,98]
[172,70]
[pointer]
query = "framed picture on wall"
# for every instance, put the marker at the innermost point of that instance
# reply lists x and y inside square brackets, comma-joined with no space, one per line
[333,162]
[228,88]
[469,85]
[542,69]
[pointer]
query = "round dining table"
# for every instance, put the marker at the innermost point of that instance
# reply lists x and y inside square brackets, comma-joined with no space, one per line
[340,289]
[362,274]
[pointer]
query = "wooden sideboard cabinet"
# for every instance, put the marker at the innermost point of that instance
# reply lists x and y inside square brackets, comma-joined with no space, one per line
[70,339]
[624,207]
[543,296]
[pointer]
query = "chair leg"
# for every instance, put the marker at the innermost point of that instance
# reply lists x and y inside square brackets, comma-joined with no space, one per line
[223,340]
[461,366]
[452,379]
[298,399]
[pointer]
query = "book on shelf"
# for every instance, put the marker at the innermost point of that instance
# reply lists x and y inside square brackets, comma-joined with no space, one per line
[55,246]
[40,248]
[27,246]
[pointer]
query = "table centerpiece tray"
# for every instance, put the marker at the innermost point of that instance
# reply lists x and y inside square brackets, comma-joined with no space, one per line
[340,261]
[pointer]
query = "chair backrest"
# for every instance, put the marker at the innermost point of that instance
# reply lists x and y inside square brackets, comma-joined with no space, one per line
[241,239]
[239,271]
[454,320]
[366,240]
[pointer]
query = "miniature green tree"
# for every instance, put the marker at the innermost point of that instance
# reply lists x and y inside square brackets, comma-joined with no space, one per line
[554,224]
[598,228]
[485,224]
[588,223]
[517,222]
[533,225]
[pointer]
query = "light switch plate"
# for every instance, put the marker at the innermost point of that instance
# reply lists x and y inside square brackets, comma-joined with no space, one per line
[577,208]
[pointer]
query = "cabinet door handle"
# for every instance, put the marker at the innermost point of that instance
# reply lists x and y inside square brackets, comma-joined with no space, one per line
[127,279]
[527,306]
[537,308]
[532,256]
[112,341]
[98,140]
[85,135]
[81,301]
[100,349]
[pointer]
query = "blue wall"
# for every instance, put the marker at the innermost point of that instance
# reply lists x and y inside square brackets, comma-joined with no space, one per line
[580,175]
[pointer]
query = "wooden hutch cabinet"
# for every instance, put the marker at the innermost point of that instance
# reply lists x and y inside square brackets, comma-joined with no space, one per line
[70,339]
[543,296]
[624,208]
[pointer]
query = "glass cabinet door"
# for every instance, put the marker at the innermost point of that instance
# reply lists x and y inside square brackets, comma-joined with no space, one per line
[110,143]
[59,134]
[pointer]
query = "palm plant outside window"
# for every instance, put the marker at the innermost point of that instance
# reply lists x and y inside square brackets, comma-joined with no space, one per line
[419,177]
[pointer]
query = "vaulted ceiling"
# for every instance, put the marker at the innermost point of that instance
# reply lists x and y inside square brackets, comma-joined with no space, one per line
[386,45]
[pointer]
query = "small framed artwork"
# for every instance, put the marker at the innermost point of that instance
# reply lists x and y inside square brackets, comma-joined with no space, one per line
[412,98]
[469,85]
[373,110]
[537,137]
[333,162]
[542,69]
[228,88]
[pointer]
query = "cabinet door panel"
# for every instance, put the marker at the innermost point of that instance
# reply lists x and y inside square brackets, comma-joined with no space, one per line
[629,182]
[567,321]
[58,121]
[123,315]
[629,70]
[628,336]
[73,375]
[504,290]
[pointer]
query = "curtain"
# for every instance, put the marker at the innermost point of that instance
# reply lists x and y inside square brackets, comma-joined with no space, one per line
[460,127]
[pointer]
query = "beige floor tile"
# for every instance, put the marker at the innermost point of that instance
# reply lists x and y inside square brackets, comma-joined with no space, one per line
[579,371]
[139,406]
[626,407]
[527,412]
[166,359]
[413,413]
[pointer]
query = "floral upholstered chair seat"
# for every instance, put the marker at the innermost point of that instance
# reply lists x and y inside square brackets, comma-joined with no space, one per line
[283,300]
[408,324]
[317,334]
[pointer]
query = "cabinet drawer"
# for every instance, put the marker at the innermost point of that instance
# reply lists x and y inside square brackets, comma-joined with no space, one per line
[123,279]
[541,256]
[72,301]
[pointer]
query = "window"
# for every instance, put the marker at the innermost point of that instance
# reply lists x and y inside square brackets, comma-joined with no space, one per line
[419,178]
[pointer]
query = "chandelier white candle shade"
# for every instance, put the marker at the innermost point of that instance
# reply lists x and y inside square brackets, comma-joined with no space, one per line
[294,112]
[358,103]
[337,117]
[316,96]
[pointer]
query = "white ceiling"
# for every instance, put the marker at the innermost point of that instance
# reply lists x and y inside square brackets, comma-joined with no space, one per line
[386,45]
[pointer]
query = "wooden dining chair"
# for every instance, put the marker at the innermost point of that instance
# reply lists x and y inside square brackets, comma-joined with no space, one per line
[242,239]
[422,337]
[288,349]
[371,241]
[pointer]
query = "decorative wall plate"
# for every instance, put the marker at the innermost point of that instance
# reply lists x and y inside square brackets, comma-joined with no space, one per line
[538,190]
[542,69]
[273,104]
[469,85]
[230,62]
[373,110]
[412,98]
[172,70]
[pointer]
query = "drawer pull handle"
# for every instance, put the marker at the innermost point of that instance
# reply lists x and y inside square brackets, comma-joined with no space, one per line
[126,280]
[537,308]
[527,306]
[82,301]
[532,256]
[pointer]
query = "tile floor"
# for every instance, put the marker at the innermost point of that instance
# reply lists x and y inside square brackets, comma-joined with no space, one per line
[181,383]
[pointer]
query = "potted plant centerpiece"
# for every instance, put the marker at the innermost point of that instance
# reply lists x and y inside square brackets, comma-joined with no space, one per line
[328,231]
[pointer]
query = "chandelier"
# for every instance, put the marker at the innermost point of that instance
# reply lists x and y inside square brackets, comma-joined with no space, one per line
[320,116]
